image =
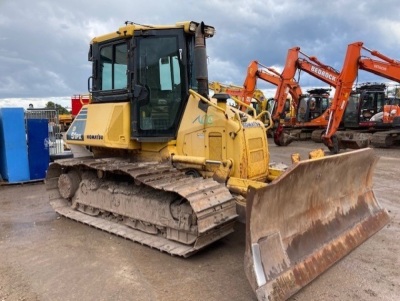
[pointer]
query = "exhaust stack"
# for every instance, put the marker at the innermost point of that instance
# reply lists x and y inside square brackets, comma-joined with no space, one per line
[200,60]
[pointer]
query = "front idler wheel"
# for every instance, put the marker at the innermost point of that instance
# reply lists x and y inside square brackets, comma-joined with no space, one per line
[68,183]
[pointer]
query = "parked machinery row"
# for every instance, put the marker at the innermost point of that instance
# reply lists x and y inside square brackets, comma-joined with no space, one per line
[355,117]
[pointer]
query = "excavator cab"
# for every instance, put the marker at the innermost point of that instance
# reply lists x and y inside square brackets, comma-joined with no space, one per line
[364,102]
[312,105]
[271,103]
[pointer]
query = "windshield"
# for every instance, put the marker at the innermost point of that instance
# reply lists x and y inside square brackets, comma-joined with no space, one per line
[352,105]
[367,102]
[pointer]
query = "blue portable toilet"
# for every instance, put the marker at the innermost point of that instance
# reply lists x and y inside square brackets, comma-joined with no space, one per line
[14,166]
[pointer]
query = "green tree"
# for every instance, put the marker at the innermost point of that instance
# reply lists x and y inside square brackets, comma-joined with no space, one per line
[59,108]
[397,92]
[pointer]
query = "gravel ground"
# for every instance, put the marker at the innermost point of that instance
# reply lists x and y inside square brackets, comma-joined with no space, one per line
[47,257]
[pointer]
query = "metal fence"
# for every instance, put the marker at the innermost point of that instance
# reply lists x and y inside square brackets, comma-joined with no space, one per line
[55,142]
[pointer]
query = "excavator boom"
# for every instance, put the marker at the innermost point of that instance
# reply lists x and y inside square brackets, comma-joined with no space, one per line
[234,90]
[311,65]
[256,70]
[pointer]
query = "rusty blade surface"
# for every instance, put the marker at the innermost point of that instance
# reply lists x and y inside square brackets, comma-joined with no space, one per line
[307,220]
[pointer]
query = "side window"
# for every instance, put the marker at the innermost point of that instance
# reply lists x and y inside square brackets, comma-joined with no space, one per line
[106,67]
[120,67]
[352,104]
[287,106]
[113,64]
[302,109]
[380,102]
[271,105]
[324,104]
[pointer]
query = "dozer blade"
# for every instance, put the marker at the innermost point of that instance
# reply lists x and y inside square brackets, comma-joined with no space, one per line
[308,219]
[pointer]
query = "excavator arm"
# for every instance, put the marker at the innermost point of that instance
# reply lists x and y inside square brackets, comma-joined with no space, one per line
[256,71]
[386,67]
[309,64]
[235,90]
[287,80]
[318,70]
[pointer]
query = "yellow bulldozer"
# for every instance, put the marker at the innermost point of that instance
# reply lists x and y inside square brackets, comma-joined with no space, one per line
[174,170]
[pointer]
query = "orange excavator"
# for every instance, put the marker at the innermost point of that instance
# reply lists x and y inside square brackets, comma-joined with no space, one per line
[385,124]
[311,110]
[381,65]
[257,70]
[248,91]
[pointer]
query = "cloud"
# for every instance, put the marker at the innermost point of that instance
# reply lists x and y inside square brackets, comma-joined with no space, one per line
[37,102]
[44,43]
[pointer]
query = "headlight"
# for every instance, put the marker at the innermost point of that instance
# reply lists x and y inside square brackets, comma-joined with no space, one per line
[192,26]
[209,31]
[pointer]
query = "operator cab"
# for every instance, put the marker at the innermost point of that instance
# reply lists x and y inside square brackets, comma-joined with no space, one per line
[366,101]
[313,104]
[287,108]
[150,67]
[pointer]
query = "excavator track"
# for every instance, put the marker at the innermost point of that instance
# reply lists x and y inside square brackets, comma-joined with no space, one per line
[151,203]
[385,139]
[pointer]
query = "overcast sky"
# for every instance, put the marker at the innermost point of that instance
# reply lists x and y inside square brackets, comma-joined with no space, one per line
[44,43]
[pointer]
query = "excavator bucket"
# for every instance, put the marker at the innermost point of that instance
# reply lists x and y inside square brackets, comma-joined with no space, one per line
[308,219]
[354,140]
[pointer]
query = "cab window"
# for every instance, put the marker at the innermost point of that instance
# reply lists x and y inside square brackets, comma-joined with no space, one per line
[113,64]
